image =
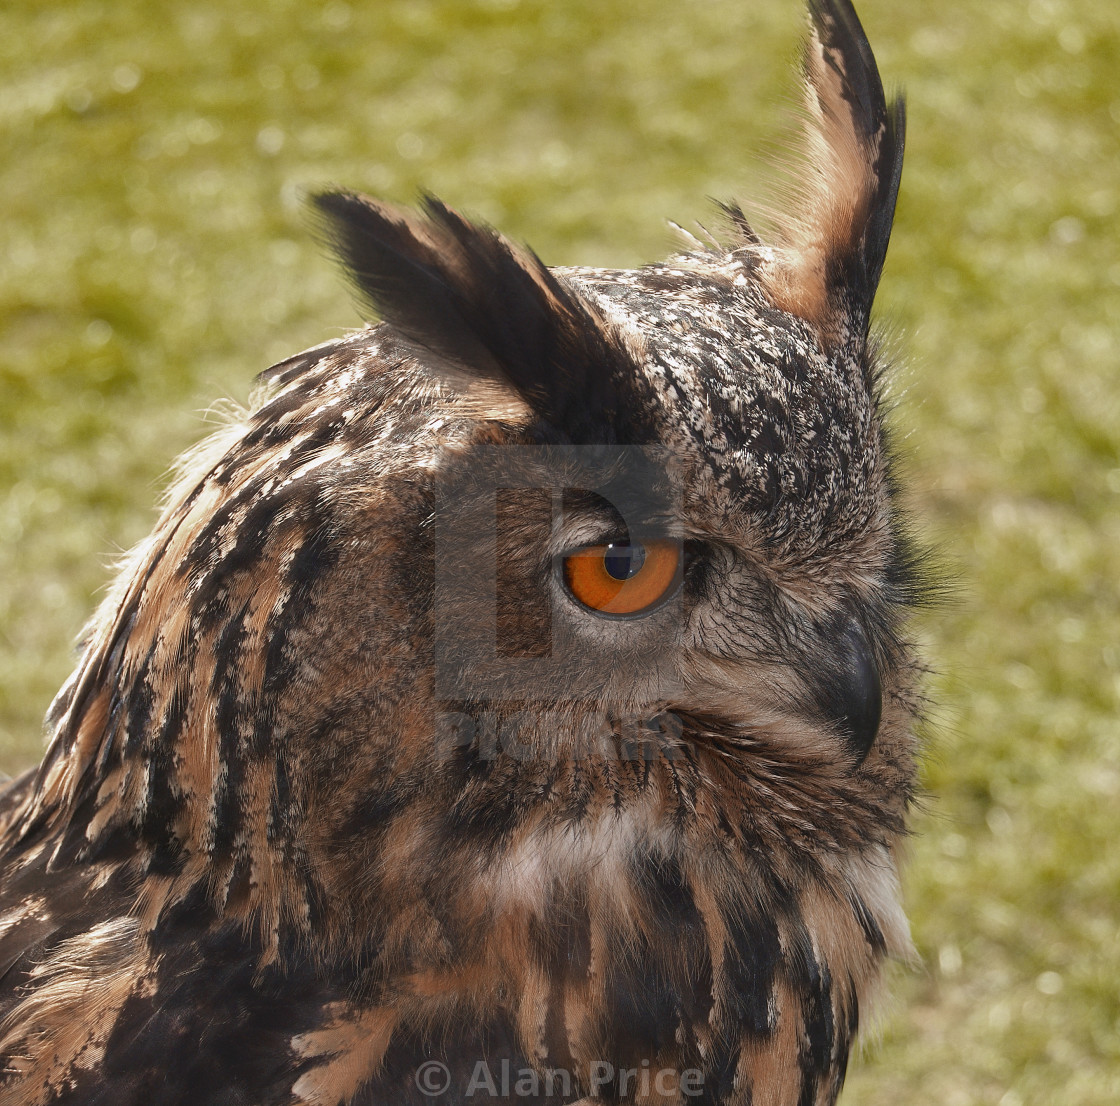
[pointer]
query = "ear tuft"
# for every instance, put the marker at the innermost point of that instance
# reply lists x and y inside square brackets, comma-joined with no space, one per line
[474,300]
[835,242]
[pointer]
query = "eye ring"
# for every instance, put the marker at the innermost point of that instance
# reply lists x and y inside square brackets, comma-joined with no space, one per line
[623,579]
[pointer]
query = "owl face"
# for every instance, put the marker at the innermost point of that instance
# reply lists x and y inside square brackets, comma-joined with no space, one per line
[525,676]
[705,592]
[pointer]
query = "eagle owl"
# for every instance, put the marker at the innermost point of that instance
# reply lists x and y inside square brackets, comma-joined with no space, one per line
[516,703]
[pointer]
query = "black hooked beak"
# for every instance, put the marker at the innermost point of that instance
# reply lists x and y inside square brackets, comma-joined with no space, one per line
[847,685]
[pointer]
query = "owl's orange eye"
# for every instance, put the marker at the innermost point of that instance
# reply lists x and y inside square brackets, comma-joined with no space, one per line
[623,577]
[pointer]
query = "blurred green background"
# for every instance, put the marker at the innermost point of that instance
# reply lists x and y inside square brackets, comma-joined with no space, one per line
[154,255]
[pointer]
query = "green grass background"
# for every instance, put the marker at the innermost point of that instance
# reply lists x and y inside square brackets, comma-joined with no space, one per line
[154,255]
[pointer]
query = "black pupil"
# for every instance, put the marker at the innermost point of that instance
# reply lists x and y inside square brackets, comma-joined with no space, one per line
[622,561]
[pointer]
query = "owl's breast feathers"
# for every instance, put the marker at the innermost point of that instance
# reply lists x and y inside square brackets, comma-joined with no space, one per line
[558,935]
[268,858]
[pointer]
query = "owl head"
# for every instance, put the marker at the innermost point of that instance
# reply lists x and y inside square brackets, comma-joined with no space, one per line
[535,658]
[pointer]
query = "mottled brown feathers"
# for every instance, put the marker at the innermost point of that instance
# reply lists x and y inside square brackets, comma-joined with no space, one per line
[834,240]
[470,298]
[350,802]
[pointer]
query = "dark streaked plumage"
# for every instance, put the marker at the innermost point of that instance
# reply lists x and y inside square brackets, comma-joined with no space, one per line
[283,849]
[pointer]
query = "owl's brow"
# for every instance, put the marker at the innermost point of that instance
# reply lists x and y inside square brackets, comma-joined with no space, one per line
[644,516]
